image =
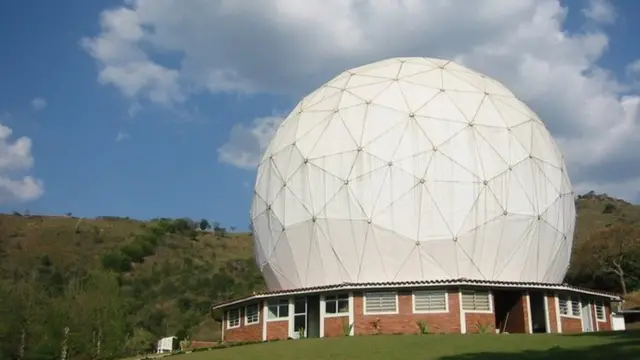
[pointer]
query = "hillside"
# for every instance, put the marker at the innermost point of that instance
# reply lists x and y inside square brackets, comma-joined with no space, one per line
[164,274]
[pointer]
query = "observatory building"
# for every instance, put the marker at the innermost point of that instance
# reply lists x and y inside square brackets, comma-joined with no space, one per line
[413,194]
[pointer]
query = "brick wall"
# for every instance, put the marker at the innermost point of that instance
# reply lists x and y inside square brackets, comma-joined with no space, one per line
[405,321]
[251,332]
[278,330]
[474,320]
[571,325]
[333,326]
[553,319]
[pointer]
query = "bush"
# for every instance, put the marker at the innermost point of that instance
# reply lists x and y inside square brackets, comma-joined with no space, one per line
[116,261]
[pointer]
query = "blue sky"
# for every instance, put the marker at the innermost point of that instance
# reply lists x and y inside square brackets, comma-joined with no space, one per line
[202,78]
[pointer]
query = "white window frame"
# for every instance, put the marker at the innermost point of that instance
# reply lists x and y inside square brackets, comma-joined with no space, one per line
[475,292]
[279,303]
[439,291]
[571,301]
[336,298]
[229,312]
[257,314]
[600,305]
[395,295]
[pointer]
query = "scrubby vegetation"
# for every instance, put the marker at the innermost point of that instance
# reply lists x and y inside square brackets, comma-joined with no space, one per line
[110,287]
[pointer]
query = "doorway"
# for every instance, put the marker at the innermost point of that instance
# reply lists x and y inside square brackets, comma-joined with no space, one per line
[538,312]
[313,316]
[509,311]
[587,316]
[306,317]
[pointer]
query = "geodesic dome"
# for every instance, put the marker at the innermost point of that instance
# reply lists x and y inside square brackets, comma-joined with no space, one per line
[412,169]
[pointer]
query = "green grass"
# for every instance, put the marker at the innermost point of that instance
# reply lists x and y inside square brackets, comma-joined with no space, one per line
[619,345]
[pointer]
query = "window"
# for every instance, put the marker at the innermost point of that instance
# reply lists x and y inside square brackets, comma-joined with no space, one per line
[600,312]
[430,301]
[336,304]
[476,300]
[278,309]
[233,318]
[252,314]
[381,302]
[569,306]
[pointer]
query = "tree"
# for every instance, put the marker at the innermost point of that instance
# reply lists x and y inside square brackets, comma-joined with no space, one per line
[204,225]
[616,250]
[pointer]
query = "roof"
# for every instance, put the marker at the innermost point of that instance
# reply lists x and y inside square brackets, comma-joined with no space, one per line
[410,284]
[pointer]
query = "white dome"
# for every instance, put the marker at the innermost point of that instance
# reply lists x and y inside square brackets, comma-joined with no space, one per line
[412,169]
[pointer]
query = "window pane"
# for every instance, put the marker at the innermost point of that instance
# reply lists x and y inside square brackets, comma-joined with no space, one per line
[343,306]
[300,305]
[330,307]
[284,310]
[432,300]
[253,314]
[378,302]
[273,311]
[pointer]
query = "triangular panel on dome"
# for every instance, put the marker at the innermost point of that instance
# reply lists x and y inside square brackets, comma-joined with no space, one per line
[385,145]
[492,162]
[467,268]
[292,252]
[338,165]
[344,206]
[307,142]
[333,269]
[308,121]
[368,68]
[293,209]
[402,214]
[452,66]
[492,87]
[392,97]
[433,225]
[482,244]
[545,192]
[498,139]
[366,188]
[340,81]
[354,119]
[443,169]
[412,143]
[543,146]
[472,78]
[323,186]
[432,79]
[347,240]
[357,80]
[410,68]
[455,201]
[275,279]
[371,268]
[554,215]
[258,205]
[262,238]
[522,189]
[486,208]
[553,173]
[441,63]
[442,107]
[568,214]
[369,91]
[270,184]
[411,269]
[559,263]
[461,149]
[366,163]
[452,82]
[322,267]
[439,259]
[523,133]
[415,165]
[512,250]
[287,161]
[394,249]
[549,242]
[511,117]
[467,102]
[488,115]
[349,100]
[397,183]
[439,131]
[389,70]
[335,139]
[531,263]
[285,135]
[379,120]
[415,95]
[330,101]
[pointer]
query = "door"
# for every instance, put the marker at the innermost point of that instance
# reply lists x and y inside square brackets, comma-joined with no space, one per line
[587,316]
[299,317]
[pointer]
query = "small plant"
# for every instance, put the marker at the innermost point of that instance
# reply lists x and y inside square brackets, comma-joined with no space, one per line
[483,328]
[346,328]
[301,333]
[376,325]
[423,326]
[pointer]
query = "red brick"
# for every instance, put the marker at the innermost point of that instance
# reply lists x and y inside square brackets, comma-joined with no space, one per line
[553,319]
[252,332]
[571,325]
[334,326]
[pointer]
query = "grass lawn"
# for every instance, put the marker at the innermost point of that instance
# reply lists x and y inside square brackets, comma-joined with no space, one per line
[619,345]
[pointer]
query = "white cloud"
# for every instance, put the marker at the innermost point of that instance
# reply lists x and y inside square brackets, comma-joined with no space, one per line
[38,104]
[247,144]
[293,46]
[600,11]
[634,67]
[122,135]
[15,159]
